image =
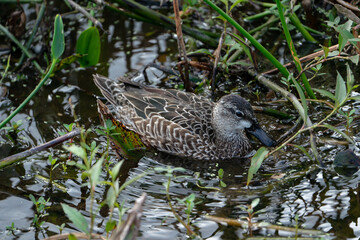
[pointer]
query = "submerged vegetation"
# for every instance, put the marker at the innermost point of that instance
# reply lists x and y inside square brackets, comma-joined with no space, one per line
[222,47]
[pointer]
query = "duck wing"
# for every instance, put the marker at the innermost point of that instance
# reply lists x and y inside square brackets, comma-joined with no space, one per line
[190,111]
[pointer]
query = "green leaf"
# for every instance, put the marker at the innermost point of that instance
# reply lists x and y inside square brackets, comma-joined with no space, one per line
[354,59]
[110,197]
[340,132]
[95,172]
[32,198]
[221,173]
[349,79]
[76,218]
[115,170]
[344,34]
[325,93]
[58,43]
[303,99]
[255,202]
[72,236]
[110,225]
[340,90]
[303,150]
[222,184]
[256,162]
[235,3]
[65,62]
[89,44]
[77,150]
[355,98]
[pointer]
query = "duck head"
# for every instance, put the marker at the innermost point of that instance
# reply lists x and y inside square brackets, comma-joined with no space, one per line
[232,115]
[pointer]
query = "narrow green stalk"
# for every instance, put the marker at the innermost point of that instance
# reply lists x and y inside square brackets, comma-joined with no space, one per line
[257,16]
[41,83]
[293,51]
[256,44]
[6,69]
[296,21]
[12,37]
[314,31]
[269,22]
[33,32]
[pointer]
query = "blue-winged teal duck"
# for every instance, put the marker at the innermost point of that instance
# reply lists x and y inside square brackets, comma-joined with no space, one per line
[184,124]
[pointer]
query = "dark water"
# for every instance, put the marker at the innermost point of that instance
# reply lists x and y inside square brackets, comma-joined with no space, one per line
[321,198]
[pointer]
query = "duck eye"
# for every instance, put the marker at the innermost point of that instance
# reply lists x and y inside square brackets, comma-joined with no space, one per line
[239,113]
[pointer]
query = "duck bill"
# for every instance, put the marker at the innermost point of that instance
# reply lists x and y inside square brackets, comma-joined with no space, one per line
[260,134]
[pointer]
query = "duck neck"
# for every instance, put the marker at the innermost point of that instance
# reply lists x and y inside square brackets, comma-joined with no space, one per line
[235,141]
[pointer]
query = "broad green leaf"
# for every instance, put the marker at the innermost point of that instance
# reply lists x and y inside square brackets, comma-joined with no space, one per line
[303,150]
[221,173]
[349,79]
[222,184]
[115,170]
[110,225]
[256,162]
[110,197]
[76,218]
[344,34]
[325,93]
[340,132]
[95,171]
[354,59]
[340,90]
[58,43]
[77,150]
[255,202]
[32,198]
[89,44]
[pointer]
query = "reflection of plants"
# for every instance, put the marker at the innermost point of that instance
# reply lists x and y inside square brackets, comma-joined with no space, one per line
[40,205]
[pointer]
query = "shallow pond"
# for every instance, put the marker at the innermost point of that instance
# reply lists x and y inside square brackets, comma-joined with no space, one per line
[319,198]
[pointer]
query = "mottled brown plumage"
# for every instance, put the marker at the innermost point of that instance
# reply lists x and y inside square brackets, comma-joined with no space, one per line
[181,123]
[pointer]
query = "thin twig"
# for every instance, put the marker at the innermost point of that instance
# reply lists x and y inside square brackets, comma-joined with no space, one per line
[306,58]
[216,61]
[19,156]
[86,14]
[78,235]
[239,223]
[181,45]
